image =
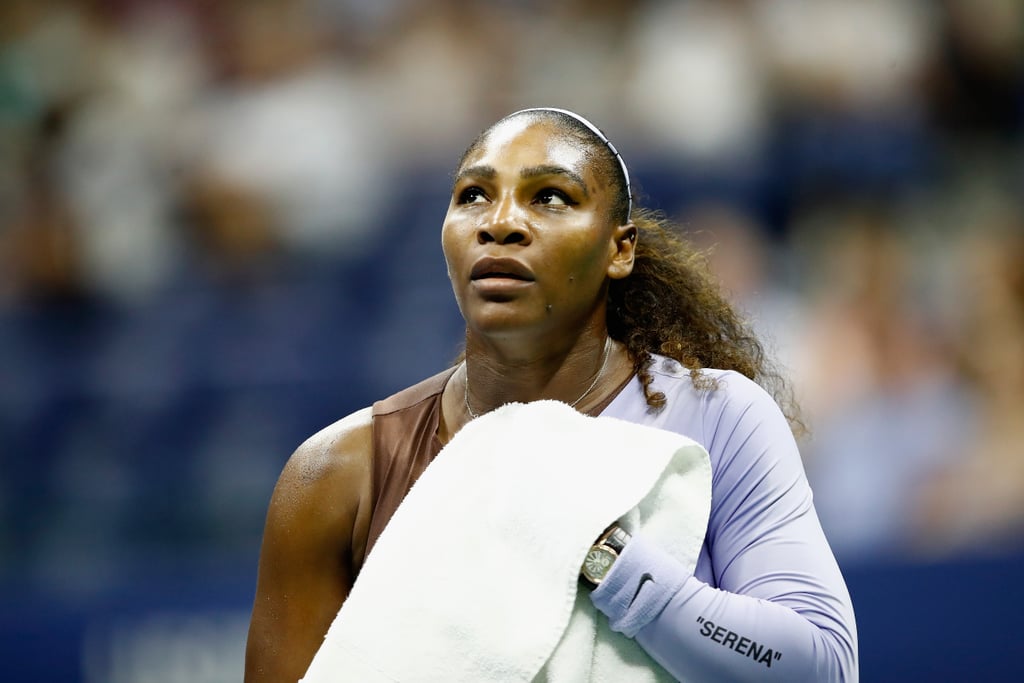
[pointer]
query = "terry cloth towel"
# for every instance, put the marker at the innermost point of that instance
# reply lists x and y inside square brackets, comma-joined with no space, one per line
[475,577]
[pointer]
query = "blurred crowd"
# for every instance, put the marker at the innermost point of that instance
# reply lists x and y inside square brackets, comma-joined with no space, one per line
[218,232]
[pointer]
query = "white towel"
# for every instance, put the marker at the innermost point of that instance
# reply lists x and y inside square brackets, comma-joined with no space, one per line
[476,576]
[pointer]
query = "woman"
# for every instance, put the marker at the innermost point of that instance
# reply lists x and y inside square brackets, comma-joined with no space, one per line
[570,294]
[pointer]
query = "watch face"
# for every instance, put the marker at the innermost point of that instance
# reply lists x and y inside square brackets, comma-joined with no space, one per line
[597,563]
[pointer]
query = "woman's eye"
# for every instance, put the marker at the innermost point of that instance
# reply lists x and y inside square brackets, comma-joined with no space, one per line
[553,197]
[471,195]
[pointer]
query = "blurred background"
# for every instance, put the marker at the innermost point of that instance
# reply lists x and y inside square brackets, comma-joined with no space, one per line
[219,232]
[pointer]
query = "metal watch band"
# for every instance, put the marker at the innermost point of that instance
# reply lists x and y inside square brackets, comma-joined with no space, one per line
[615,537]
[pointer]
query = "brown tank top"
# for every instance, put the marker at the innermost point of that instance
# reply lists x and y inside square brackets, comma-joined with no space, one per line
[405,441]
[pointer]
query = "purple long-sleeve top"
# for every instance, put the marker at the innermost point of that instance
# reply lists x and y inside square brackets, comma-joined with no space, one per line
[766,601]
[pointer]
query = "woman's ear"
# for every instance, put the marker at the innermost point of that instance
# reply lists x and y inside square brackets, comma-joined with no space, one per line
[624,239]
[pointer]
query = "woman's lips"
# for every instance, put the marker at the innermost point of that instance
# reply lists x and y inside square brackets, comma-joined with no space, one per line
[500,285]
[496,277]
[489,268]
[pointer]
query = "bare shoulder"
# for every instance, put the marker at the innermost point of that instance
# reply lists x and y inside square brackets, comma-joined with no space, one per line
[313,543]
[337,453]
[325,488]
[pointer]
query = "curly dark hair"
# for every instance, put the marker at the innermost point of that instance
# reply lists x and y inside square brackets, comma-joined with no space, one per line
[671,304]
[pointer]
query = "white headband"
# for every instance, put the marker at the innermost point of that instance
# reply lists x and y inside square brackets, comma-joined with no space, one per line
[601,136]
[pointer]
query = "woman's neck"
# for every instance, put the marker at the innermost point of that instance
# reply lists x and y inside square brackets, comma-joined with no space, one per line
[494,375]
[582,376]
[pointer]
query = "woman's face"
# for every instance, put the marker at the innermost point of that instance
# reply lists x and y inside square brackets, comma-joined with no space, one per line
[528,238]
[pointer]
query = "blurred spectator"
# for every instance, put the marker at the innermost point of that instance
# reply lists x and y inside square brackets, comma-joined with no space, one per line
[444,66]
[886,407]
[111,167]
[43,72]
[835,55]
[582,42]
[751,268]
[846,95]
[40,250]
[283,149]
[977,502]
[976,81]
[696,80]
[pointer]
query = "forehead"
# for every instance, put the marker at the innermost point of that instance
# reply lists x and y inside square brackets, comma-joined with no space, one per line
[525,141]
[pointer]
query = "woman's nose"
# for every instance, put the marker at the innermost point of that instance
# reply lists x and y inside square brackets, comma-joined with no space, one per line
[507,225]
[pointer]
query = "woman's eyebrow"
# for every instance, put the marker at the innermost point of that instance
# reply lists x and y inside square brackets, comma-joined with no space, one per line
[481,171]
[488,173]
[547,169]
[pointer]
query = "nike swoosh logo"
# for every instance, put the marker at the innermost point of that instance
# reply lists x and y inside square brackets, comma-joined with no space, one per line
[643,579]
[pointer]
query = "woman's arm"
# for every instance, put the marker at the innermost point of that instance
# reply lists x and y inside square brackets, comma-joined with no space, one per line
[780,610]
[313,541]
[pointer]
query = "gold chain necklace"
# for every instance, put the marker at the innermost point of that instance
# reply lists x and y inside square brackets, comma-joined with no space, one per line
[597,378]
